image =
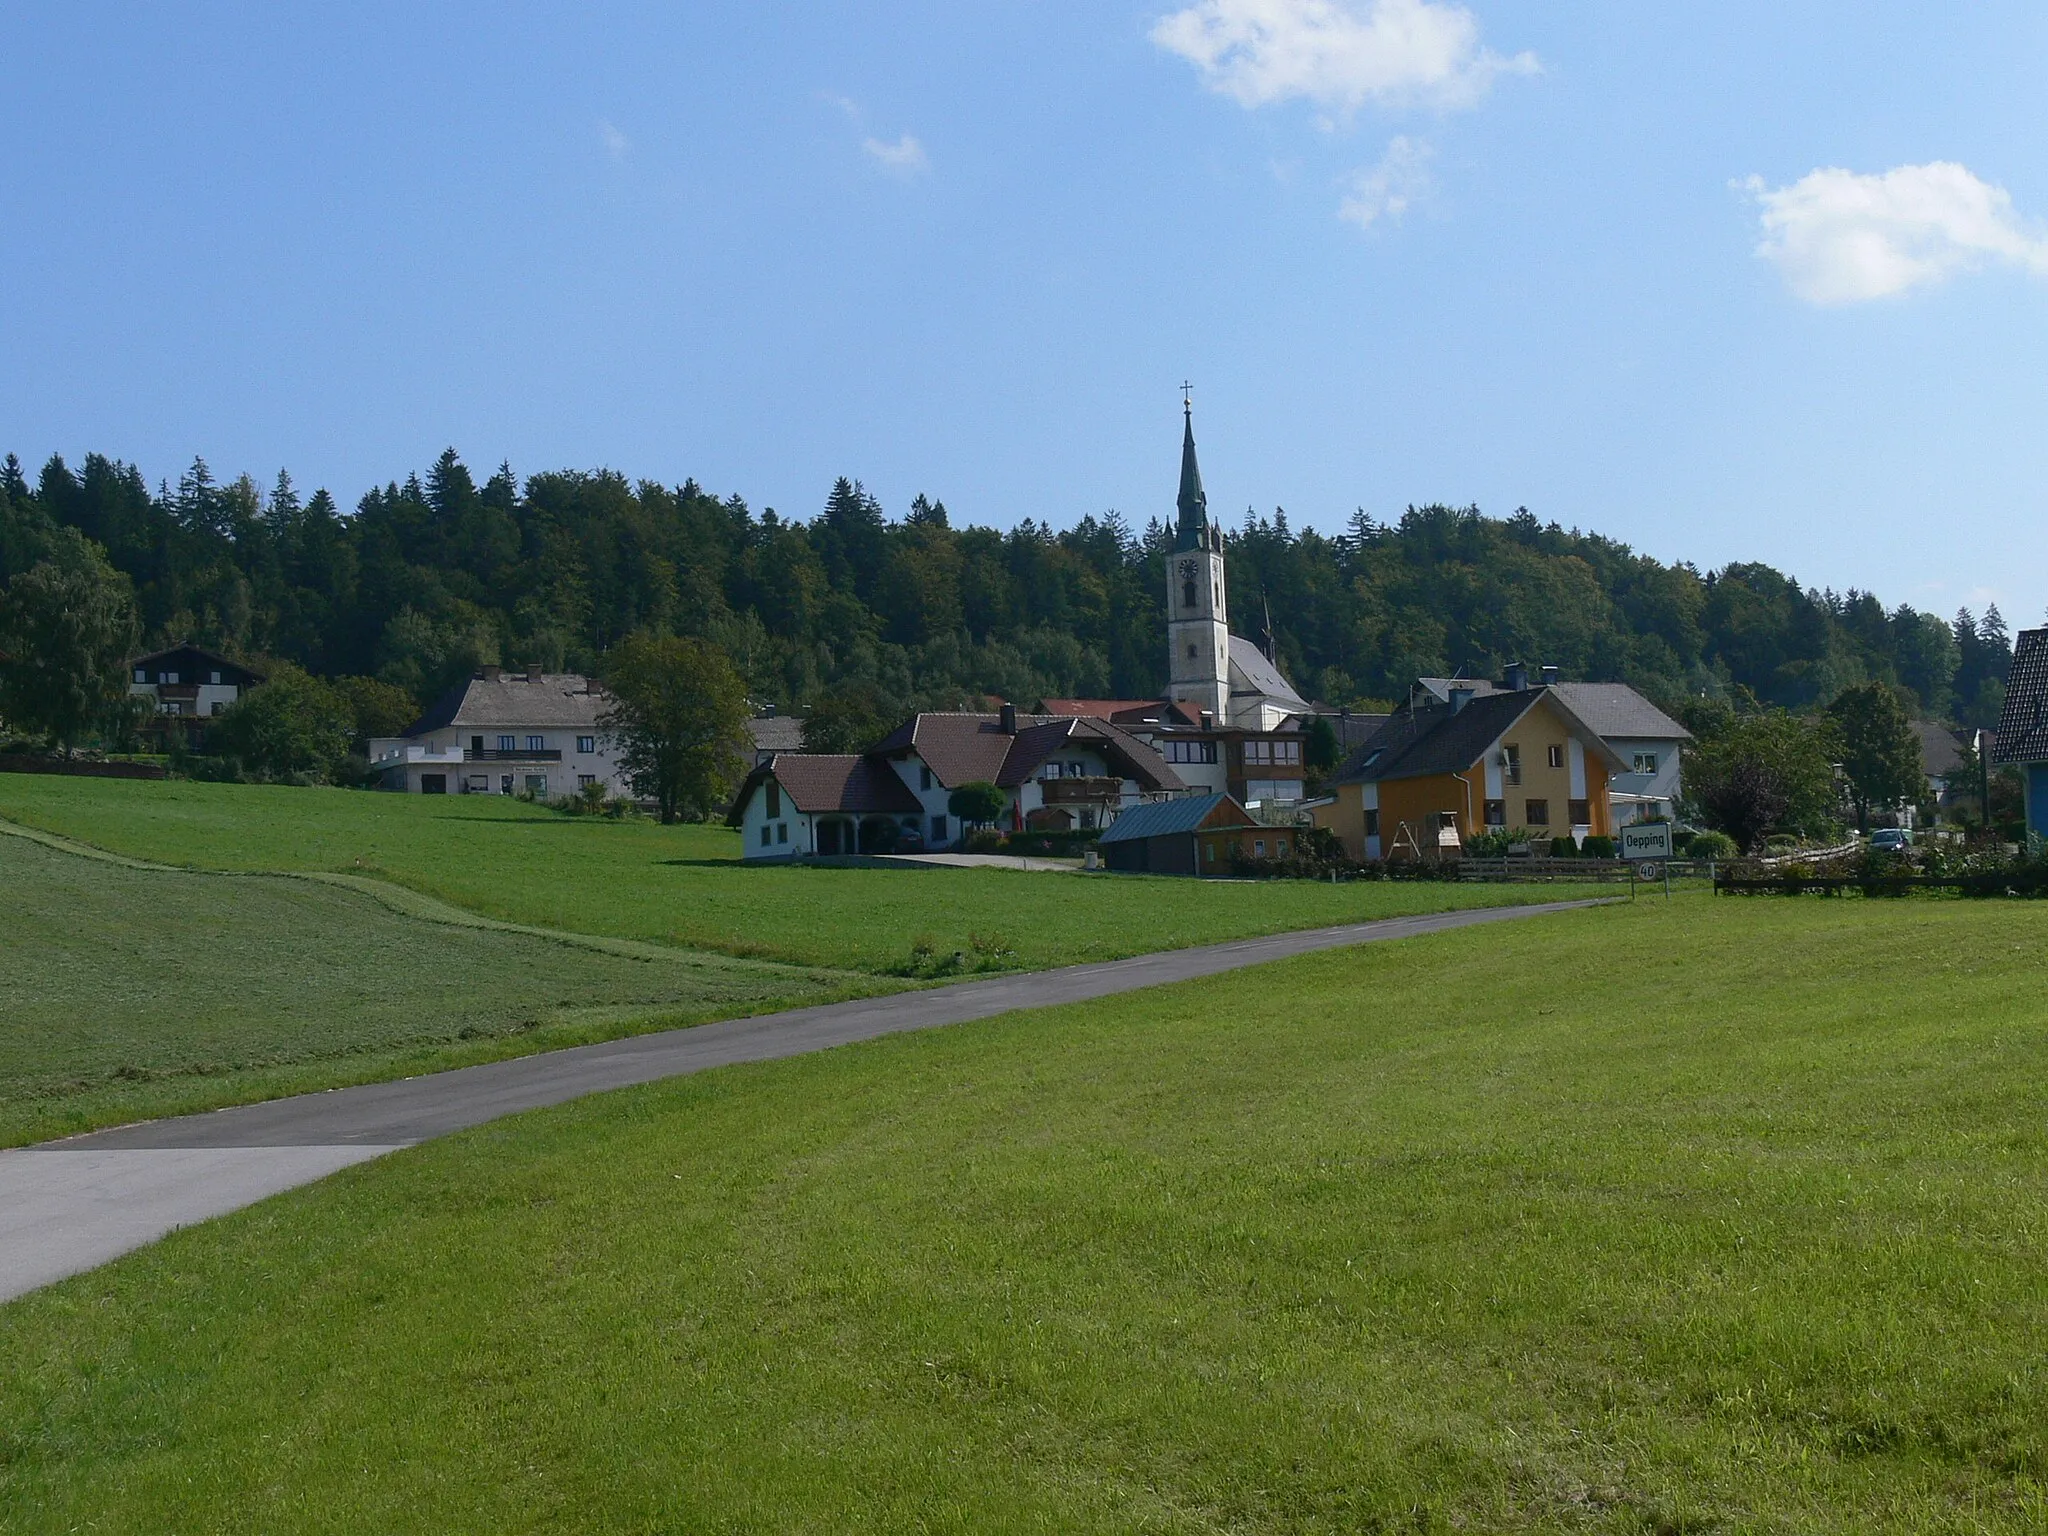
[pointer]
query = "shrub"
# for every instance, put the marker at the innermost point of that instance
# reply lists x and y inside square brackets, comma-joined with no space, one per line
[1598,847]
[1563,848]
[983,840]
[1711,845]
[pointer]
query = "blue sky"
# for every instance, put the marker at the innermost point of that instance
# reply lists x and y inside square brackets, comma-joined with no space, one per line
[1741,281]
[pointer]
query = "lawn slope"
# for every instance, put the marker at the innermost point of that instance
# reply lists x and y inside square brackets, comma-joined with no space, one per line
[687,886]
[134,992]
[1708,1217]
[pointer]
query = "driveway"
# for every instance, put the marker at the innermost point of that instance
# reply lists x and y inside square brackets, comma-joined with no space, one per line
[69,1206]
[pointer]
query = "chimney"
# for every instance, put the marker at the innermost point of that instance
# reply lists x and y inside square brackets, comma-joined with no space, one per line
[1517,678]
[767,711]
[491,674]
[1009,718]
[1552,676]
[1460,697]
[1208,721]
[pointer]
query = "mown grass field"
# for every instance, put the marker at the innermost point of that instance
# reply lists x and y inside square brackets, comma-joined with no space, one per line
[687,886]
[131,993]
[1719,1216]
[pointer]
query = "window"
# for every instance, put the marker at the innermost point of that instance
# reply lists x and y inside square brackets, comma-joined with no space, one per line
[1496,813]
[1581,812]
[1077,770]
[508,743]
[1187,594]
[1209,852]
[536,743]
[767,832]
[1052,770]
[1280,848]
[1191,650]
[505,784]
[938,829]
[1372,823]
[537,785]
[1646,762]
[1258,847]
[168,677]
[1511,765]
[924,777]
[1538,813]
[1189,751]
[219,708]
[774,799]
[586,743]
[585,780]
[142,674]
[1286,751]
[1557,755]
[1258,751]
[213,677]
[782,831]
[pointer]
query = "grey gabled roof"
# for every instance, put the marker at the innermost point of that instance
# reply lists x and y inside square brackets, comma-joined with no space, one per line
[1615,710]
[561,700]
[1940,753]
[2023,722]
[1261,674]
[1416,743]
[1162,818]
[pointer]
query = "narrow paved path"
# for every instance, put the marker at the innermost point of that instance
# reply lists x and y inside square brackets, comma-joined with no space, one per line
[68,1206]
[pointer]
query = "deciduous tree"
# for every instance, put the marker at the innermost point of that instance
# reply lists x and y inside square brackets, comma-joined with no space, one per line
[678,718]
[292,726]
[1764,773]
[67,629]
[1880,752]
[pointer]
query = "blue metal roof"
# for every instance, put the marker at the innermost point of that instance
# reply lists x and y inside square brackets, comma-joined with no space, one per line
[1162,817]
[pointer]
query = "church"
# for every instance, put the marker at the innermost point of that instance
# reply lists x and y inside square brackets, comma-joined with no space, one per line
[1228,724]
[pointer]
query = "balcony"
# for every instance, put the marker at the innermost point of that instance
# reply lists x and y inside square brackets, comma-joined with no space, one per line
[1102,791]
[500,755]
[386,755]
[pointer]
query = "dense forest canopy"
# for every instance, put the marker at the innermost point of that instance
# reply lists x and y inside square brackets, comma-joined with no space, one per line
[428,578]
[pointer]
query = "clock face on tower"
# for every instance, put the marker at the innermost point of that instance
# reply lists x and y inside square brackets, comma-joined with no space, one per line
[1187,570]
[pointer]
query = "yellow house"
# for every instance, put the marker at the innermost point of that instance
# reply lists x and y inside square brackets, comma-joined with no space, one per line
[1432,779]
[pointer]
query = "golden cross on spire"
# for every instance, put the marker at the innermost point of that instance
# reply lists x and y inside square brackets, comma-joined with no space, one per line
[1187,395]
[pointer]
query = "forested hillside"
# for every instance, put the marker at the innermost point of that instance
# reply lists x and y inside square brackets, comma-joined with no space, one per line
[427,578]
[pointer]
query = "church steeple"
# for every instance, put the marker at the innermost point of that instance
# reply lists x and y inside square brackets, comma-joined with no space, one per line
[1195,531]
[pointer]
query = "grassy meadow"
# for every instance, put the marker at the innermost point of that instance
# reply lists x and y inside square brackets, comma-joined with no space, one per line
[1715,1216]
[132,993]
[686,886]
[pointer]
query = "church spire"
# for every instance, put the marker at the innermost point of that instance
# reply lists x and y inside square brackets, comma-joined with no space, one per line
[1194,532]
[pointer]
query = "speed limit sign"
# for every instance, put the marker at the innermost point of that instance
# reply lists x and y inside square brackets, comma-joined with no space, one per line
[1649,871]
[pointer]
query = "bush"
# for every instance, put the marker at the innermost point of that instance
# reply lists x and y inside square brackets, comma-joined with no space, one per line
[1598,847]
[982,840]
[1563,848]
[1711,845]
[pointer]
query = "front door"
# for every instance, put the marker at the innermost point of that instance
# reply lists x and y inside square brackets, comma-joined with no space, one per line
[828,837]
[433,783]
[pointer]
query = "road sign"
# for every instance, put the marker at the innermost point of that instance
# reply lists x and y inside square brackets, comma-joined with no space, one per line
[1649,871]
[1646,840]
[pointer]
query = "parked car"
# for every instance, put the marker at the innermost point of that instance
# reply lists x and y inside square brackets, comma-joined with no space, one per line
[909,840]
[1890,840]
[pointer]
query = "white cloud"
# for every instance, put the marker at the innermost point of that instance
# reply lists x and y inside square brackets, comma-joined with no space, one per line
[905,157]
[1842,238]
[1386,190]
[1339,54]
[616,144]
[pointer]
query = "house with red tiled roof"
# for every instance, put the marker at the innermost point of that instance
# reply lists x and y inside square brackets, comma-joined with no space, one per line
[1055,773]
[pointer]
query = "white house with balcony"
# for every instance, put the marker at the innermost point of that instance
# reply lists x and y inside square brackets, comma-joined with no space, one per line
[188,685]
[504,733]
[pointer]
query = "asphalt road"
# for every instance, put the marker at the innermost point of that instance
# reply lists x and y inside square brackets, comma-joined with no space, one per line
[69,1206]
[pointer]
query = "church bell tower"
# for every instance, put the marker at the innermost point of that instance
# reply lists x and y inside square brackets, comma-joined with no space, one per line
[1197,617]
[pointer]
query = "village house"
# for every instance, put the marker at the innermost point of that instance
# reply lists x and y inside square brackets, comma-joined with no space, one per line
[188,686]
[2022,736]
[1055,775]
[504,733]
[1646,739]
[1435,776]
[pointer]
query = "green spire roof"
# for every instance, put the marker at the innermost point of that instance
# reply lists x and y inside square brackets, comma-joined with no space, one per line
[1194,504]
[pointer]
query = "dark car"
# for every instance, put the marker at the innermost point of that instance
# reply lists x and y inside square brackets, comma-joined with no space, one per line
[908,840]
[1890,840]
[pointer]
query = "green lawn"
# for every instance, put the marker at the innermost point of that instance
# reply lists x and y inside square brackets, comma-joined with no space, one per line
[1721,1216]
[687,886]
[131,993]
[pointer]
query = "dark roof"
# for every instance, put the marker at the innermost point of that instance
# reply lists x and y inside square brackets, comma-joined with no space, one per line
[1615,710]
[1163,818]
[777,733]
[1940,753]
[1261,674]
[1416,743]
[2023,723]
[964,749]
[1610,710]
[562,700]
[211,658]
[818,782]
